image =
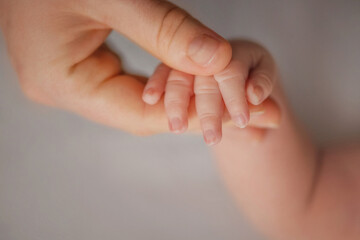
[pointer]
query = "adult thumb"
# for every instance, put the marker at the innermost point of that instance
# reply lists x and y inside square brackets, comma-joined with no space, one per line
[167,32]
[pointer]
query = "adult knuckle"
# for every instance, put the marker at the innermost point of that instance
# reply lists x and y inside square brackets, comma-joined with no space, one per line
[170,23]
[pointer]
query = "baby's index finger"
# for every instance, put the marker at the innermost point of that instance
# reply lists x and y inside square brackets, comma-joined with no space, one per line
[155,86]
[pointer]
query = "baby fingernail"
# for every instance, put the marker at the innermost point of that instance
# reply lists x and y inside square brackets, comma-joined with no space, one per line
[210,137]
[240,121]
[259,93]
[176,125]
[202,49]
[150,96]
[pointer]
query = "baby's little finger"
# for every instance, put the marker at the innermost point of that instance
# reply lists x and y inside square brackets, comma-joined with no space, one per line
[261,80]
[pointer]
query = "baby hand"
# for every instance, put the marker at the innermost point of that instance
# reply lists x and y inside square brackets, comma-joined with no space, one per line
[248,79]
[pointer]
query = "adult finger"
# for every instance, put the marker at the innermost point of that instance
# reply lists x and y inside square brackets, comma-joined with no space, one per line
[166,31]
[97,89]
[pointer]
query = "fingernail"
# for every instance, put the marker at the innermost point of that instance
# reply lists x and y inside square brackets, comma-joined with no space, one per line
[150,96]
[202,49]
[210,137]
[176,125]
[259,93]
[240,121]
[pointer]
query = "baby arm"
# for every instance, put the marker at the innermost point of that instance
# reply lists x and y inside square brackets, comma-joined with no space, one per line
[288,187]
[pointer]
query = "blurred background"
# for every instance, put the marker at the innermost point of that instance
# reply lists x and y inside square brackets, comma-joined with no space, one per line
[63,177]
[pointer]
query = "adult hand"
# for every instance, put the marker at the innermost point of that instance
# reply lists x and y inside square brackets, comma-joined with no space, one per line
[57,48]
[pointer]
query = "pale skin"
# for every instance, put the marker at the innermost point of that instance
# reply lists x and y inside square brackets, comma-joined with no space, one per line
[57,48]
[247,79]
[288,187]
